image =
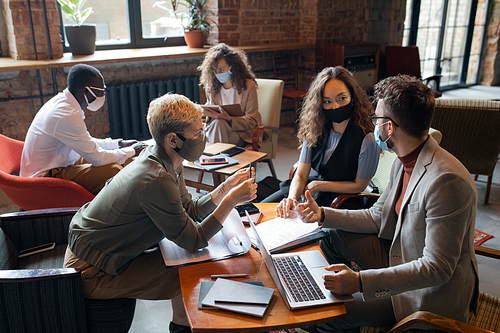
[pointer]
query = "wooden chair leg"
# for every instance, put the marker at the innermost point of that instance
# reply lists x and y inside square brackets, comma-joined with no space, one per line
[295,115]
[200,180]
[475,177]
[488,188]
[271,167]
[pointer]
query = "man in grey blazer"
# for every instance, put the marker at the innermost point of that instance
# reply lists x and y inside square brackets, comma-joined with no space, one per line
[415,246]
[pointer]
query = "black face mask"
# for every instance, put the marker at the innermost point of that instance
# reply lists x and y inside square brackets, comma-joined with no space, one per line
[340,114]
[191,150]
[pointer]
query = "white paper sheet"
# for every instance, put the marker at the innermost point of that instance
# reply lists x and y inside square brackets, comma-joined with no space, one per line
[278,232]
[231,240]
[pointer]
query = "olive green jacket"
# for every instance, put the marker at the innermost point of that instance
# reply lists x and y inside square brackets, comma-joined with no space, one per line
[141,205]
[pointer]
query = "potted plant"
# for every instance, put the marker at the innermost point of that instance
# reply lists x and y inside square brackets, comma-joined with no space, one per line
[195,22]
[81,37]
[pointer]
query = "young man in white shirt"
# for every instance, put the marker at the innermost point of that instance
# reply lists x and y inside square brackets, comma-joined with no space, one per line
[58,144]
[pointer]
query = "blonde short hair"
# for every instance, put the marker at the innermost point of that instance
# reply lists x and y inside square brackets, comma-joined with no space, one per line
[171,113]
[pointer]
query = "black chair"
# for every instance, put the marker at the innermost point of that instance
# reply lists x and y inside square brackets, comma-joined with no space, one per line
[36,293]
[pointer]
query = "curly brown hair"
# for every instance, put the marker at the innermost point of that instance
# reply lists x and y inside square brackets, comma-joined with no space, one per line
[236,59]
[312,118]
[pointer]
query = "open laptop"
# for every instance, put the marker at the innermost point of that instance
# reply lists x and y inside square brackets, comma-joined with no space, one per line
[301,286]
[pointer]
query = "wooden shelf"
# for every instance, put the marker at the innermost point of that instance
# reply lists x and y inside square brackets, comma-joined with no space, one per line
[131,55]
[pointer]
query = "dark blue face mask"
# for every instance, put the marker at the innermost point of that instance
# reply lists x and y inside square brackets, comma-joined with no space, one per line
[340,114]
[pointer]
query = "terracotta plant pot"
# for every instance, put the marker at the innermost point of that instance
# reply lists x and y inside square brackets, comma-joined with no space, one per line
[81,39]
[194,38]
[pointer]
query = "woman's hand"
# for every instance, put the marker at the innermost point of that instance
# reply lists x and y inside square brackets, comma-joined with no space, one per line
[238,177]
[218,115]
[309,211]
[312,187]
[243,192]
[286,208]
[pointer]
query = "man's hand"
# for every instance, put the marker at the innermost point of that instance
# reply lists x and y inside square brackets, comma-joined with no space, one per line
[138,147]
[309,211]
[286,208]
[127,143]
[343,280]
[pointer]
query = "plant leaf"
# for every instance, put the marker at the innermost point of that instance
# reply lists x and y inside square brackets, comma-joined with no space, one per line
[85,14]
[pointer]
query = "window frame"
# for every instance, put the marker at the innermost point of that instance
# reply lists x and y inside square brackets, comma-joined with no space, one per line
[412,39]
[135,32]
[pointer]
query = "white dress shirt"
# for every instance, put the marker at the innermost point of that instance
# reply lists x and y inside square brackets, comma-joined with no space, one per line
[58,137]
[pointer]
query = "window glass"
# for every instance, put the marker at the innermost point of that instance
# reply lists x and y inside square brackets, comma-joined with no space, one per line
[407,25]
[111,20]
[159,19]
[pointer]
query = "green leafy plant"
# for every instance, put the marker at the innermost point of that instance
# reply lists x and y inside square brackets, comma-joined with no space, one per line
[73,8]
[197,17]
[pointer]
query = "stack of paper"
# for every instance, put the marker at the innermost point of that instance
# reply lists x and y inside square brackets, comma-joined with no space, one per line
[281,235]
[239,297]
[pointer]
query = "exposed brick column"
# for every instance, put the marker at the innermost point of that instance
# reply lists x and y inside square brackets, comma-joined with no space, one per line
[19,34]
[490,71]
[213,37]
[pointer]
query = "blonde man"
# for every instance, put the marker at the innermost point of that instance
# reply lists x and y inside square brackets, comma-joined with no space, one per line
[146,202]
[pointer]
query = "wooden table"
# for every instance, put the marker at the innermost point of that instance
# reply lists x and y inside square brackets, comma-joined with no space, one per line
[245,158]
[277,316]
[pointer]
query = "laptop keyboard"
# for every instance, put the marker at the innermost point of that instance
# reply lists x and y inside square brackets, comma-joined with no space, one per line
[298,279]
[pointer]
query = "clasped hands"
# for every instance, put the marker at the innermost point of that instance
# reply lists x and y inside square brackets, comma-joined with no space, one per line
[342,280]
[137,145]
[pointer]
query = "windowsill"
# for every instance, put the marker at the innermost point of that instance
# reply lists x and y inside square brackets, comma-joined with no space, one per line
[130,55]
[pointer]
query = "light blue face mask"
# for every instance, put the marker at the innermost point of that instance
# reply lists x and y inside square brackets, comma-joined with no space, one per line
[223,77]
[378,139]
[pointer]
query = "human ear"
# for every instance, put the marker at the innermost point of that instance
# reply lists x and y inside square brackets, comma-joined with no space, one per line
[171,140]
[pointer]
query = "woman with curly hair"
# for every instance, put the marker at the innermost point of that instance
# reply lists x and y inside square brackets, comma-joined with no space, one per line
[337,142]
[228,79]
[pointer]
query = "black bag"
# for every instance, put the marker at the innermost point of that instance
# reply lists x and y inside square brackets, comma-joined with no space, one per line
[267,186]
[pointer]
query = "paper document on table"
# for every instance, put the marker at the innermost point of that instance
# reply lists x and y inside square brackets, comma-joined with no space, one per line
[217,148]
[282,234]
[231,240]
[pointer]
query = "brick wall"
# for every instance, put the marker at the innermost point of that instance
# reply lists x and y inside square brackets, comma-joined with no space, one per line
[241,22]
[19,33]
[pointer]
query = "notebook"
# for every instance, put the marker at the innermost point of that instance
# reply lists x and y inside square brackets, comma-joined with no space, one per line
[217,148]
[239,297]
[309,273]
[233,109]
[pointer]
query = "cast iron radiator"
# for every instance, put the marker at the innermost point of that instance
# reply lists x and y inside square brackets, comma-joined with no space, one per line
[128,103]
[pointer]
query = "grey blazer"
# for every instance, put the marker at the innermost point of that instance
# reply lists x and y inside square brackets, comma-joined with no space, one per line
[432,262]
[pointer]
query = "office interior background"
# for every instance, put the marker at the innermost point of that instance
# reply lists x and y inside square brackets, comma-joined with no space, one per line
[458,39]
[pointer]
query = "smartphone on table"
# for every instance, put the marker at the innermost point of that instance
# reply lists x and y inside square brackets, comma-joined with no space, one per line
[250,207]
[214,160]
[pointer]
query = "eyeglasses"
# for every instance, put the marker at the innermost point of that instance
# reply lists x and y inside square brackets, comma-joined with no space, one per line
[195,135]
[95,88]
[374,118]
[221,70]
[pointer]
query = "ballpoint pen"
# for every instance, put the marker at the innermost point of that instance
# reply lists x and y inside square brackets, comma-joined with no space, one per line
[216,276]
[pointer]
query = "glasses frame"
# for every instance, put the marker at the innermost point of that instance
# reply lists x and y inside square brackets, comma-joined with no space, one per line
[374,118]
[89,88]
[196,135]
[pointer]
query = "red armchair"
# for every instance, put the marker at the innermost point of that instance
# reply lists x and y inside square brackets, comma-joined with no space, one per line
[35,192]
